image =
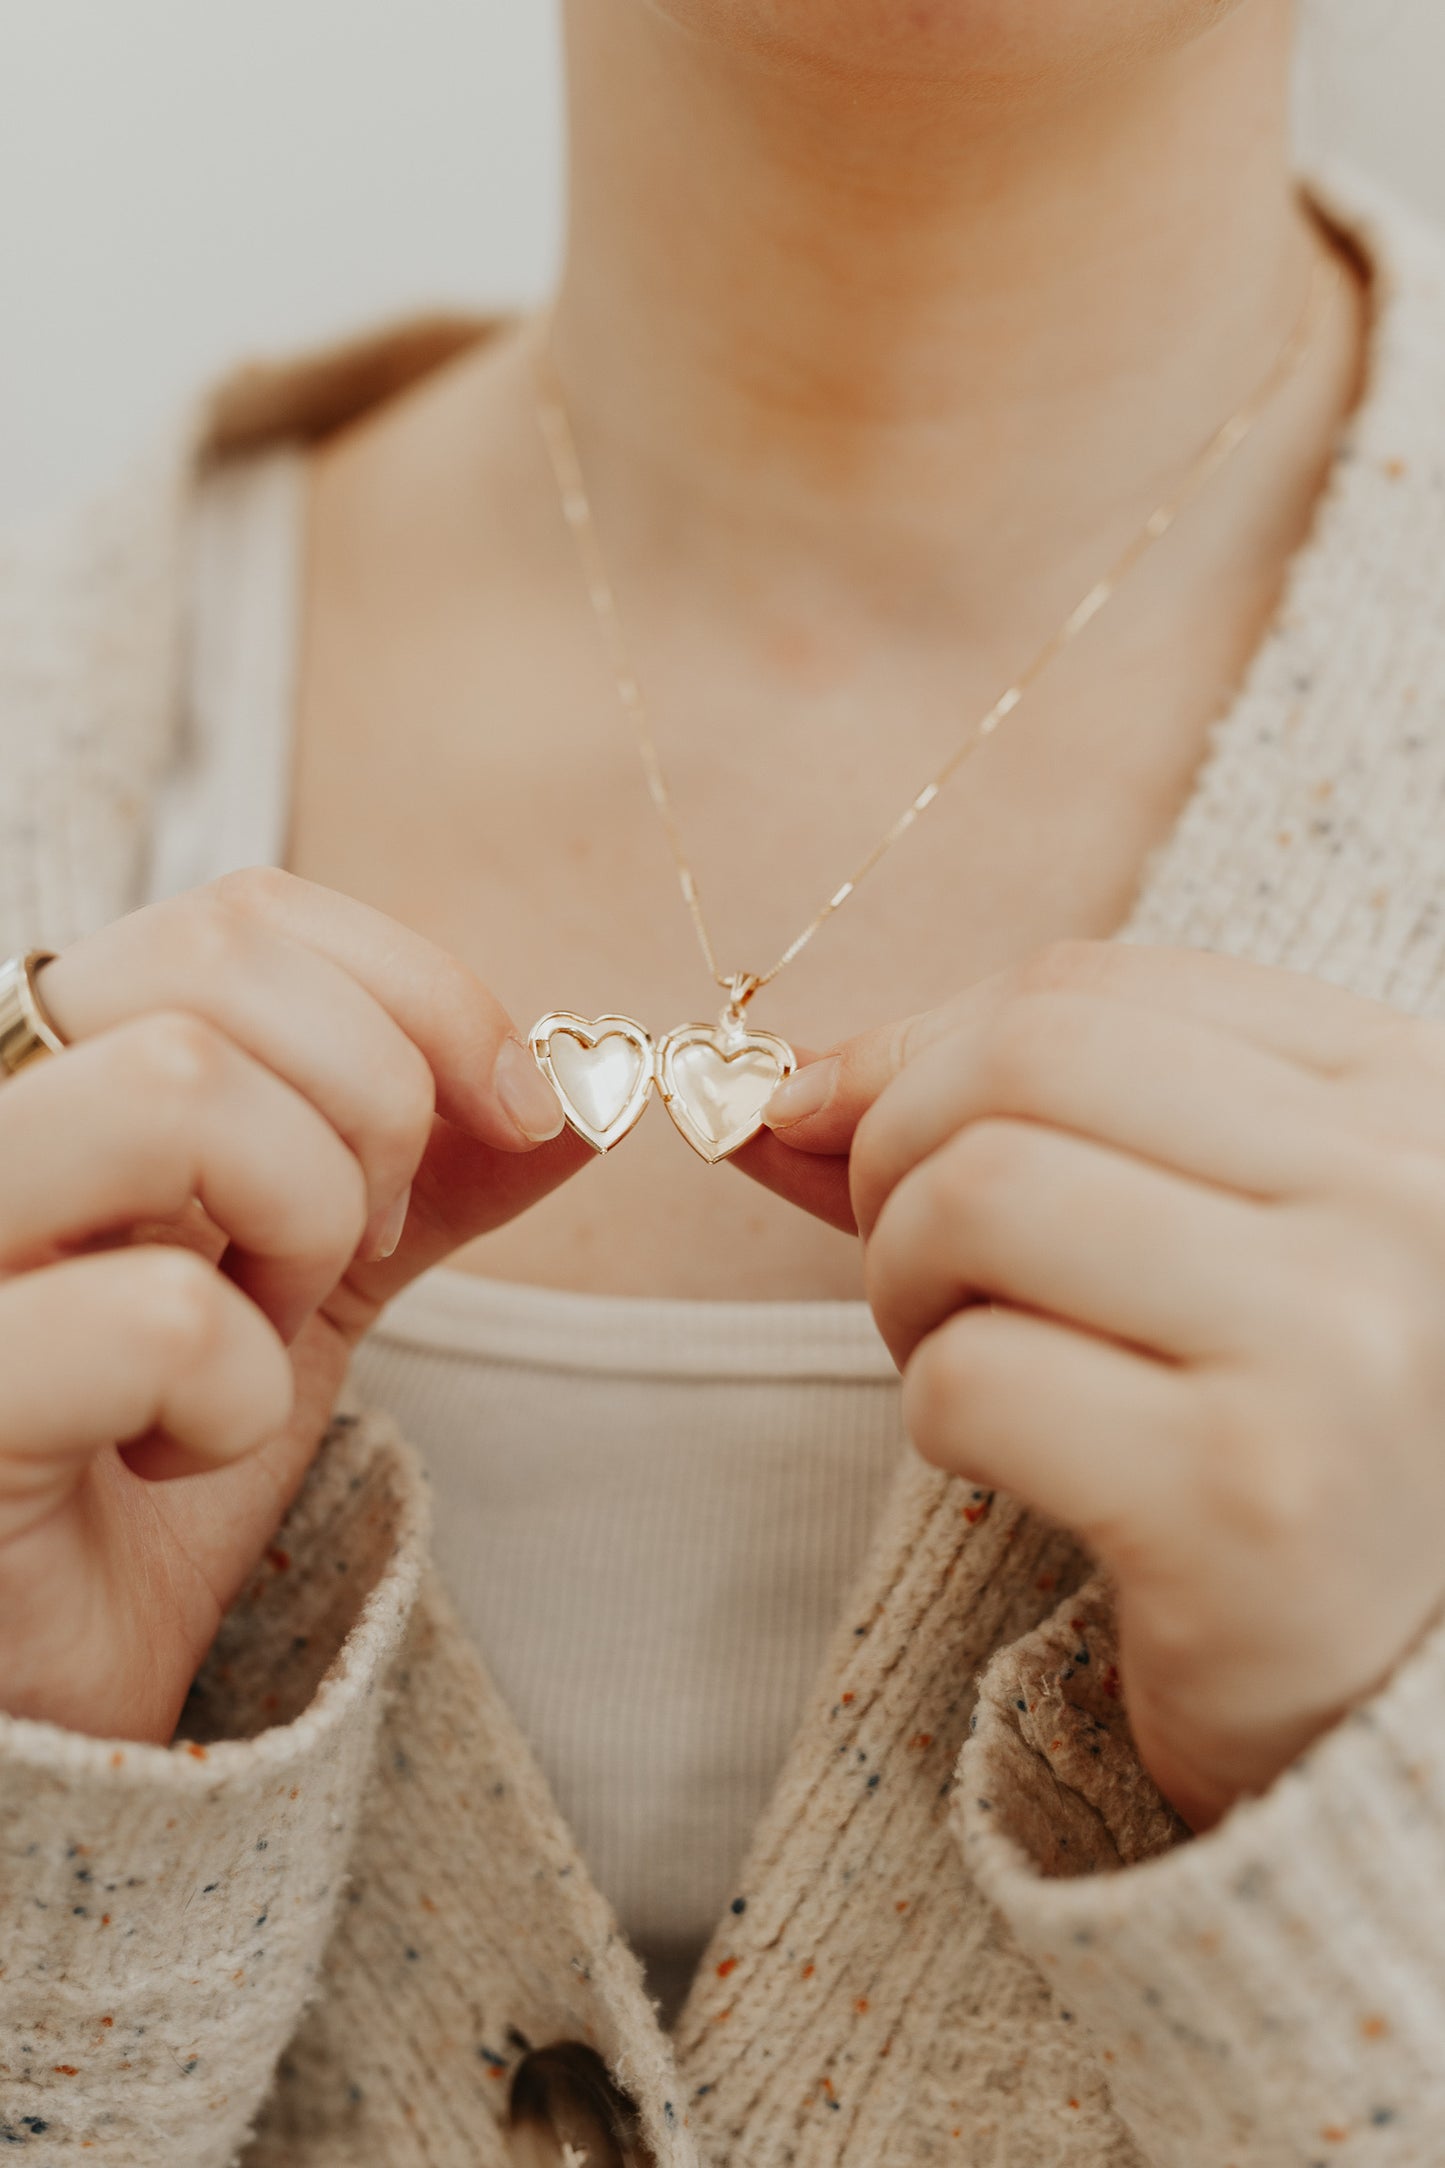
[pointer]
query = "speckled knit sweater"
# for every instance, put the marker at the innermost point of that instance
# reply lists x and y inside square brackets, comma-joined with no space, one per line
[319,1928]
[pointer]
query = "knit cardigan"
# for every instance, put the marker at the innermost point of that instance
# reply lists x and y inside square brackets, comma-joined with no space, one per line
[320,1927]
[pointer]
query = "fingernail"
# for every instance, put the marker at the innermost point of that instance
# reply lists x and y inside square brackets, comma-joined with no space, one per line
[525,1094]
[389,1233]
[803,1094]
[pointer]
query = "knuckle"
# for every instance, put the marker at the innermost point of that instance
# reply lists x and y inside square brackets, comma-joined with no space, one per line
[456,992]
[1029,1043]
[252,892]
[352,1205]
[982,1163]
[405,1099]
[1264,1496]
[1065,964]
[866,1165]
[214,935]
[179,1301]
[942,1381]
[1391,1348]
[1264,1473]
[1419,1040]
[1430,1046]
[179,1055]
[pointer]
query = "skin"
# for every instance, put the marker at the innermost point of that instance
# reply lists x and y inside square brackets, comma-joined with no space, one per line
[845,493]
[1157,1239]
[835,483]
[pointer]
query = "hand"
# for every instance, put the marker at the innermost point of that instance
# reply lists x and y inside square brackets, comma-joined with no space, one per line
[197,1202]
[1158,1241]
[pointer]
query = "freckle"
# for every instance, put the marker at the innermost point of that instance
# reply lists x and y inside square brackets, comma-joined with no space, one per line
[800,656]
[861,2006]
[1073,2103]
[1209,1942]
[1379,898]
[116,1759]
[1285,837]
[902,1905]
[1396,469]
[1334,2134]
[1374,2027]
[428,1904]
[105,1919]
[808,1971]
[1323,791]
[107,2021]
[197,1753]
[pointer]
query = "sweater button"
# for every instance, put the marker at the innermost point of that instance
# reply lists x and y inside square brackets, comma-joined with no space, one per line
[567,2111]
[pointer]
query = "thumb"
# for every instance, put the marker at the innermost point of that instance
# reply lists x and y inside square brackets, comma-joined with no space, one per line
[463,1188]
[822,1103]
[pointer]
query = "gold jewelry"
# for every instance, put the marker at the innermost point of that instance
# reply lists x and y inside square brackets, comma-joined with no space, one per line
[601,1070]
[26,1028]
[717,1078]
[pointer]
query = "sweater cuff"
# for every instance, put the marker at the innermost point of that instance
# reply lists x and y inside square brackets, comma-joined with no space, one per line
[165,1908]
[1269,1993]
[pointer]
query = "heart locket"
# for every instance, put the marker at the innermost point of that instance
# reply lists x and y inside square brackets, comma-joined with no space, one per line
[601,1068]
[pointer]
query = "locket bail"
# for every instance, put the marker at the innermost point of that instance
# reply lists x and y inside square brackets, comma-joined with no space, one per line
[739,986]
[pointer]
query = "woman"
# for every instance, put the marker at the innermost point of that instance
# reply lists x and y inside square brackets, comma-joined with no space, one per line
[883,334]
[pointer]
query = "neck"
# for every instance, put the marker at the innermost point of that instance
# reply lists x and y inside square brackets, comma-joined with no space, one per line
[890,317]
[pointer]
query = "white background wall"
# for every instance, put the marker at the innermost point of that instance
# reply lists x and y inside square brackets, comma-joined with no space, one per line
[185,180]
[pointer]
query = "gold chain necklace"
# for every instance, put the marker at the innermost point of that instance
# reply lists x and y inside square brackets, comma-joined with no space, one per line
[716,1078]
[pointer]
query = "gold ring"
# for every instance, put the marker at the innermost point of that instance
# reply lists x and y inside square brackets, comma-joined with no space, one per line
[26,1029]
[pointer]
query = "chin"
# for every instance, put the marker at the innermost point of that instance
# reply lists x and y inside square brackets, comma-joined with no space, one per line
[993,44]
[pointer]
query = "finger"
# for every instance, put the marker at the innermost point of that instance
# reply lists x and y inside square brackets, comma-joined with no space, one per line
[1183,1094]
[371,1023]
[466,1037]
[1061,1226]
[1301,1018]
[134,1124]
[462,1190]
[117,1346]
[814,1182]
[1071,1425]
[1296,1017]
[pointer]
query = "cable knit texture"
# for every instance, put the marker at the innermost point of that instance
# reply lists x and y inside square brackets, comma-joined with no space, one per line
[319,1929]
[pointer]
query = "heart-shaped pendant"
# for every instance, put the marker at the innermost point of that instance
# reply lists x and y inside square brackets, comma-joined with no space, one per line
[716,1080]
[601,1069]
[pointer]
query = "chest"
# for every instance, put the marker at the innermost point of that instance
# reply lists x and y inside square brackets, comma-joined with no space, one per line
[462,763]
